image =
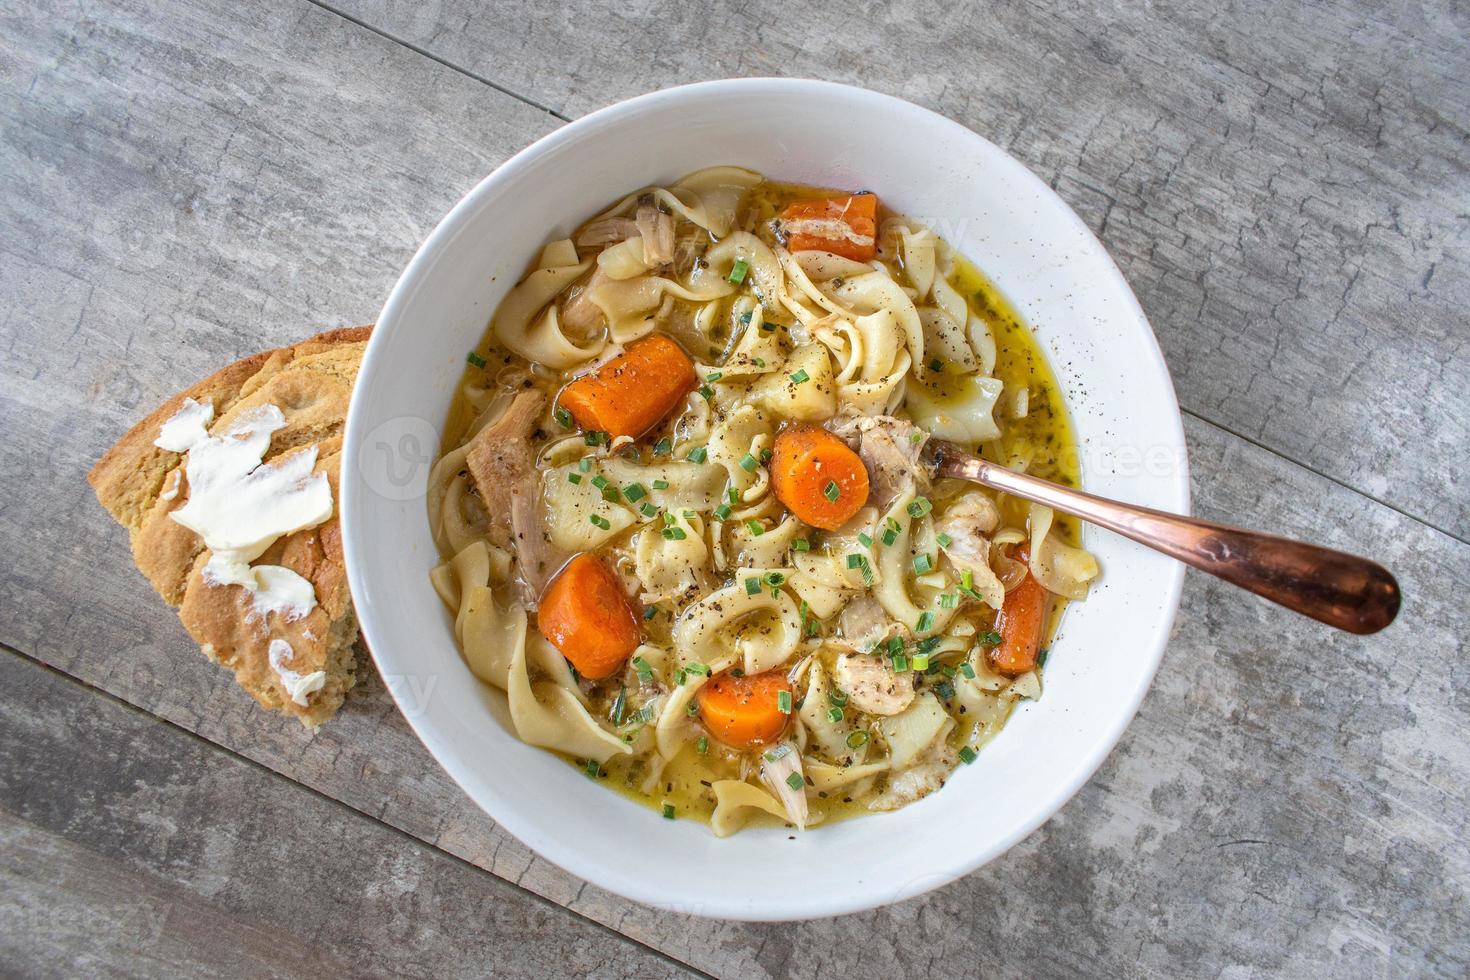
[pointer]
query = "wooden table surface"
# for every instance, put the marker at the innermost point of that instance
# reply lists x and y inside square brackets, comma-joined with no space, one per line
[1287,187]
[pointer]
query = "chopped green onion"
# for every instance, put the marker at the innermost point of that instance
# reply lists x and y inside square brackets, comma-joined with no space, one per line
[768,326]
[929,645]
[574,478]
[1041,657]
[925,623]
[748,463]
[936,365]
[675,533]
[722,512]
[475,359]
[585,464]
[967,670]
[864,540]
[801,544]
[698,668]
[752,586]
[755,527]
[890,536]
[766,455]
[595,438]
[698,454]
[895,644]
[837,697]
[857,739]
[691,709]
[801,376]
[680,677]
[778,753]
[990,639]
[745,318]
[563,417]
[920,661]
[649,612]
[668,811]
[760,362]
[645,672]
[832,491]
[967,755]
[944,539]
[948,601]
[702,746]
[775,578]
[738,271]
[919,506]
[600,482]
[783,702]
[732,495]
[714,376]
[947,670]
[706,391]
[600,521]
[900,663]
[834,715]
[923,563]
[647,509]
[944,690]
[620,706]
[916,437]
[592,769]
[663,447]
[795,780]
[634,492]
[660,484]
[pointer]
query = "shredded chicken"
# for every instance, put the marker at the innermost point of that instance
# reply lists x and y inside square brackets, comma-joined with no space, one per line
[778,764]
[503,466]
[580,314]
[872,685]
[890,448]
[606,231]
[967,522]
[657,229]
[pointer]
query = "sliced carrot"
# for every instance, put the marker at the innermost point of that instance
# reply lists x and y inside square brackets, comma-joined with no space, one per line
[817,476]
[586,615]
[1020,623]
[634,391]
[746,711]
[841,225]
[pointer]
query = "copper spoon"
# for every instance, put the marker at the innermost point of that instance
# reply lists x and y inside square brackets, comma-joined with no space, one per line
[1332,587]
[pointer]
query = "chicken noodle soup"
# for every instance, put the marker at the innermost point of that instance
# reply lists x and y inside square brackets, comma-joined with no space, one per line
[685,521]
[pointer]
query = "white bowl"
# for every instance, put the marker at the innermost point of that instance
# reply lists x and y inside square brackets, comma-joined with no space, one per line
[994,211]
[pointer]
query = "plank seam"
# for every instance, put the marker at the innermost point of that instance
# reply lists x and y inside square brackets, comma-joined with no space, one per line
[437,59]
[405,835]
[1326,476]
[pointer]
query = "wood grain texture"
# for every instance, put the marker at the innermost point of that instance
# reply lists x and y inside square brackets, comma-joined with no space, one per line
[128,847]
[1283,184]
[217,180]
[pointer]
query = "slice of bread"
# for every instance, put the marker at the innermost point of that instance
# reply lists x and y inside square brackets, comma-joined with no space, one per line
[141,484]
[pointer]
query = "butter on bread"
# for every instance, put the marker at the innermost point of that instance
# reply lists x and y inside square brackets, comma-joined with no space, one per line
[140,485]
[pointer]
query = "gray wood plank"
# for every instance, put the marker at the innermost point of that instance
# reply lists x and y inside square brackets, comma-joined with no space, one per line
[130,848]
[1284,184]
[1344,755]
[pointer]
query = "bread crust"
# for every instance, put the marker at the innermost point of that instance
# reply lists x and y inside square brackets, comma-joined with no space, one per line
[311,383]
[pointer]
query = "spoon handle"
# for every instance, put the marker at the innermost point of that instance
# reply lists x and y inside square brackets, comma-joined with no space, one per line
[1332,587]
